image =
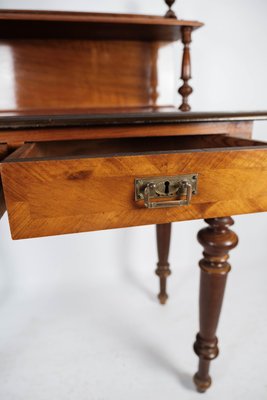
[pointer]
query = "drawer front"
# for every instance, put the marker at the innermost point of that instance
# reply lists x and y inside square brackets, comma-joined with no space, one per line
[76,195]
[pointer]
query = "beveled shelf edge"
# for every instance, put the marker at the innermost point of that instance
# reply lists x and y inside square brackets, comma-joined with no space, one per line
[39,15]
[18,24]
[126,118]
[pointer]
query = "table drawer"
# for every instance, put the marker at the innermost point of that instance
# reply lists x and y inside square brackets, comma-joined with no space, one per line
[55,188]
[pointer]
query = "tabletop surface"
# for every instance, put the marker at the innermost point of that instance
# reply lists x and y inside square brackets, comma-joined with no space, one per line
[13,120]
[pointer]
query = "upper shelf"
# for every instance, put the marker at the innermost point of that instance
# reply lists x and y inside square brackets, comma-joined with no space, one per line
[18,24]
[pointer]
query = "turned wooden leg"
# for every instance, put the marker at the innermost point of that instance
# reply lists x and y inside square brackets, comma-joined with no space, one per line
[163,267]
[217,240]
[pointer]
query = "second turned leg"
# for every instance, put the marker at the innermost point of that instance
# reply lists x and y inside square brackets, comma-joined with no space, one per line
[163,266]
[217,240]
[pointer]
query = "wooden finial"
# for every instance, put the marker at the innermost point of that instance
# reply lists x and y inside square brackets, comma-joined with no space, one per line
[217,239]
[186,89]
[170,13]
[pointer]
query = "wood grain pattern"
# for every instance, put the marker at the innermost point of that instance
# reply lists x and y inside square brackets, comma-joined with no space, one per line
[76,195]
[3,150]
[69,76]
[66,74]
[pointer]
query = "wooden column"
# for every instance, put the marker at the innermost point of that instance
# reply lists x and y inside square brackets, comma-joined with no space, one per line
[186,89]
[217,240]
[163,266]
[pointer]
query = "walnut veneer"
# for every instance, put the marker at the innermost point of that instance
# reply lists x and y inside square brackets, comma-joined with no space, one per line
[83,116]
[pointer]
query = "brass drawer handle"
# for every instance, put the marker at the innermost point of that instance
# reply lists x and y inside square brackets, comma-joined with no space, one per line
[149,189]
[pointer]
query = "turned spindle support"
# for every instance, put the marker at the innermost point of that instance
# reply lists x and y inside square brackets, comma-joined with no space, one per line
[217,240]
[186,89]
[163,266]
[170,13]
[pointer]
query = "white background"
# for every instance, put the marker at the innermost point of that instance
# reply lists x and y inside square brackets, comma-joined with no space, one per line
[78,313]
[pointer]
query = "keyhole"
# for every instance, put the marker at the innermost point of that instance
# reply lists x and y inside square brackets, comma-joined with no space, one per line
[167,187]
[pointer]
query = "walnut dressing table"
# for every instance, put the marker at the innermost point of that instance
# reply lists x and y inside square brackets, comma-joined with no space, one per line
[87,144]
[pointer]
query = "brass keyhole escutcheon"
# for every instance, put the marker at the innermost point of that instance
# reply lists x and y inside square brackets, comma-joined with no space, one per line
[181,187]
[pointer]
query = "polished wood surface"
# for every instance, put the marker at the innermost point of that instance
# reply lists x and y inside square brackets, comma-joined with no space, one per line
[3,151]
[18,120]
[74,25]
[130,146]
[67,59]
[217,239]
[163,266]
[71,76]
[61,74]
[186,89]
[16,137]
[59,189]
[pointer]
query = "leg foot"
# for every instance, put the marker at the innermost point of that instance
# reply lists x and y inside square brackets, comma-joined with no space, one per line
[163,266]
[163,297]
[201,379]
[217,240]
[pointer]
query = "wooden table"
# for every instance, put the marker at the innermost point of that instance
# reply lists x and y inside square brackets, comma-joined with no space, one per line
[87,145]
